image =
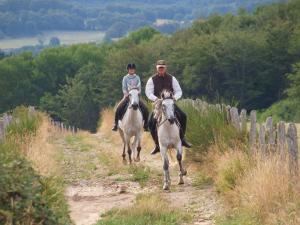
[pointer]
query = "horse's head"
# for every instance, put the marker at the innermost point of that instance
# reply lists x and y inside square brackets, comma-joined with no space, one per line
[134,98]
[167,106]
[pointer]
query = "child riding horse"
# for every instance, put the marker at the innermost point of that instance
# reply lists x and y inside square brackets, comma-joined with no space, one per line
[130,81]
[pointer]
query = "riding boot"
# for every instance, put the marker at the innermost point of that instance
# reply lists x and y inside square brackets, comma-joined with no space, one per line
[115,127]
[152,127]
[145,114]
[120,111]
[155,138]
[146,126]
[184,142]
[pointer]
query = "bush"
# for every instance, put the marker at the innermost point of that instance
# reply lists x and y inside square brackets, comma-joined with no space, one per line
[205,129]
[286,110]
[231,167]
[26,197]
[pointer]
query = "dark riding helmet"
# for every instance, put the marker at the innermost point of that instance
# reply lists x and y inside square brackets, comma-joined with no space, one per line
[131,66]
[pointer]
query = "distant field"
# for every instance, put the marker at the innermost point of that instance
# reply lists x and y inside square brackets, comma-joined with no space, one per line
[66,38]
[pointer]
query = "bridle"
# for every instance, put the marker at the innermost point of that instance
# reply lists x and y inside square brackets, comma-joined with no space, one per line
[134,88]
[163,111]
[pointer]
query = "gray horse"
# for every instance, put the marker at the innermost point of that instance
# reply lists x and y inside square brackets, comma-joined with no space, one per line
[168,135]
[132,126]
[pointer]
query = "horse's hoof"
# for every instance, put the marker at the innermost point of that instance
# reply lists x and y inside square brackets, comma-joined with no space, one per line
[180,182]
[166,187]
[137,159]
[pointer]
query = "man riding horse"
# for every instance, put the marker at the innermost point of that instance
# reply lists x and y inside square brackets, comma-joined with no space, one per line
[155,86]
[131,80]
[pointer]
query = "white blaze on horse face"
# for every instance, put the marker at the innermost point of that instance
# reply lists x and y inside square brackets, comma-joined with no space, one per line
[134,97]
[168,108]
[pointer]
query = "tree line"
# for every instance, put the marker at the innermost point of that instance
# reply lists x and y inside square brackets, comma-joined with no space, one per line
[251,59]
[117,18]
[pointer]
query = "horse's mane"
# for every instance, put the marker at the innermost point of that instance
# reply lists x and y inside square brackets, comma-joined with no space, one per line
[158,103]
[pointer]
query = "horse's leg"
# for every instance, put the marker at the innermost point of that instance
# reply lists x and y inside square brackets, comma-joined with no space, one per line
[124,145]
[179,159]
[139,148]
[129,151]
[164,156]
[134,146]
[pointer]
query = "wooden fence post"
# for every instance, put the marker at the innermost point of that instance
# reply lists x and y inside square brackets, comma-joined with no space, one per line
[228,107]
[262,140]
[270,134]
[243,119]
[235,120]
[2,129]
[6,120]
[252,133]
[292,141]
[31,111]
[281,139]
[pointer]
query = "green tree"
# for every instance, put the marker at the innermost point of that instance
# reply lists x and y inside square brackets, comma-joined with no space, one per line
[16,87]
[78,102]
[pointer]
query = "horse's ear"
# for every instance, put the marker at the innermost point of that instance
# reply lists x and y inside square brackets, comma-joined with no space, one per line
[162,95]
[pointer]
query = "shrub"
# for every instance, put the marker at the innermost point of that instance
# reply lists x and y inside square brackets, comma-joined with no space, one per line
[205,129]
[25,196]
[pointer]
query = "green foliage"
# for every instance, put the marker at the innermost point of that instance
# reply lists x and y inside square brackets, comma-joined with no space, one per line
[148,210]
[26,197]
[230,173]
[79,101]
[242,58]
[117,18]
[201,180]
[289,108]
[76,142]
[205,129]
[16,81]
[294,90]
[140,174]
[285,110]
[23,123]
[238,219]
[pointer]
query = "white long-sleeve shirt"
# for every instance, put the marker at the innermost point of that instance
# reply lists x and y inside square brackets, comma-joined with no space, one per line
[177,92]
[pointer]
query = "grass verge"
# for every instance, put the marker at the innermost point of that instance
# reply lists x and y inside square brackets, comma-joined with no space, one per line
[26,197]
[147,210]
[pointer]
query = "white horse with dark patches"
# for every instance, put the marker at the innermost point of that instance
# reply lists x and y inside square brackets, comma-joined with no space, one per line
[131,126]
[168,135]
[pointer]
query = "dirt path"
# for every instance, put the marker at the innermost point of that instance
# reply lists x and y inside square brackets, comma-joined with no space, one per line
[98,181]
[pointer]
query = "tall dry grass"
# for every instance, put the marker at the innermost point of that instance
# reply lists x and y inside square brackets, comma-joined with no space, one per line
[26,196]
[258,191]
[268,191]
[42,152]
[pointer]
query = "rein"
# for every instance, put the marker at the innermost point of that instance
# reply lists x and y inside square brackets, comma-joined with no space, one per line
[176,120]
[161,123]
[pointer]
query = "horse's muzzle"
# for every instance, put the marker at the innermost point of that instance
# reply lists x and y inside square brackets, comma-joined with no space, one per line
[171,120]
[135,106]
